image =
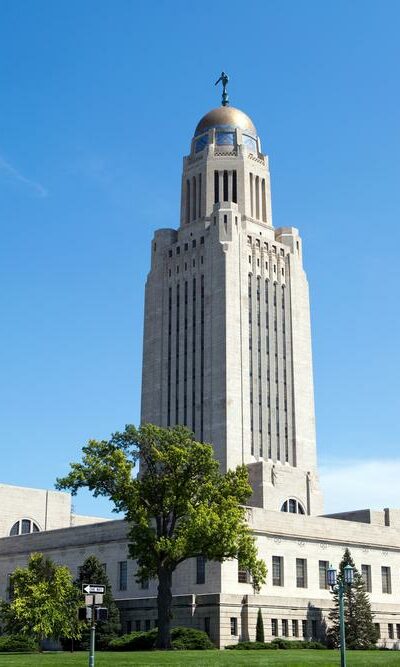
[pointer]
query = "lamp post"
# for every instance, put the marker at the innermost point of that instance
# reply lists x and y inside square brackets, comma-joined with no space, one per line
[339,586]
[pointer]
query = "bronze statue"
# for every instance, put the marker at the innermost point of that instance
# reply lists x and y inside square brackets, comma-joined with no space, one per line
[224,78]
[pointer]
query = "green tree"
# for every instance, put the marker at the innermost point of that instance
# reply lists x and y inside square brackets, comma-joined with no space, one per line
[359,627]
[92,572]
[44,601]
[179,507]
[260,627]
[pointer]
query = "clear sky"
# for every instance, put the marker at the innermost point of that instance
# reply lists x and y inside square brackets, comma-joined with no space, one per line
[98,103]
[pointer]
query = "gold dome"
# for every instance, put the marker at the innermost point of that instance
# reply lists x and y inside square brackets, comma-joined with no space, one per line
[225,117]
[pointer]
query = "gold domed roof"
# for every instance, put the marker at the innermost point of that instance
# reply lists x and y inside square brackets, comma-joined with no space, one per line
[225,117]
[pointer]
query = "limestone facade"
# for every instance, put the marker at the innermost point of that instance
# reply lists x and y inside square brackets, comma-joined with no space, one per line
[25,510]
[227,341]
[218,598]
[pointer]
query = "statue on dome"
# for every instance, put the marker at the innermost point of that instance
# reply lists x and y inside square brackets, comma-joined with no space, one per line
[224,78]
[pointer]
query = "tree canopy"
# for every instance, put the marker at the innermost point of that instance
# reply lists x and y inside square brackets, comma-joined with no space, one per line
[180,505]
[44,601]
[359,627]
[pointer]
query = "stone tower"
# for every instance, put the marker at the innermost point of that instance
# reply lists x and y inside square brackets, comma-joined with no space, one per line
[227,341]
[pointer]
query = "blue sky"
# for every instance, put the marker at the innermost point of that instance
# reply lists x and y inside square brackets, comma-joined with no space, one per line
[98,103]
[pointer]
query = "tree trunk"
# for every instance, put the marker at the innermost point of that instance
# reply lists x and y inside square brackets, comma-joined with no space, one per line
[164,604]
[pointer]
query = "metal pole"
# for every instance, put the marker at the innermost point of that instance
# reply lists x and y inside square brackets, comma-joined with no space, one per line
[92,637]
[342,631]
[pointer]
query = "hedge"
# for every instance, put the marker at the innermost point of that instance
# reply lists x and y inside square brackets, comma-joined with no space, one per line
[181,639]
[18,644]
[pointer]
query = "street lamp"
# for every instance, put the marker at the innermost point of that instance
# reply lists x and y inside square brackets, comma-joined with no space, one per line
[339,587]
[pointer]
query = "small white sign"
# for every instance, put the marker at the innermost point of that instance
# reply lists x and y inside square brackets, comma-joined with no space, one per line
[91,589]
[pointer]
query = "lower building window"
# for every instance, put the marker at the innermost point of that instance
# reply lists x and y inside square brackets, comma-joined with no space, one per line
[122,575]
[234,628]
[128,627]
[304,629]
[285,627]
[274,627]
[147,624]
[277,571]
[200,570]
[390,631]
[386,580]
[323,572]
[207,625]
[138,626]
[378,630]
[295,628]
[243,575]
[398,630]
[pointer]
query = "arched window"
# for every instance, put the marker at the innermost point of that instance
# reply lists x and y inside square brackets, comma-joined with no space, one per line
[24,527]
[292,506]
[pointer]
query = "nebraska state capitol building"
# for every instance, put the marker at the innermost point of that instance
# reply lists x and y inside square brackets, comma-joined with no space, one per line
[227,351]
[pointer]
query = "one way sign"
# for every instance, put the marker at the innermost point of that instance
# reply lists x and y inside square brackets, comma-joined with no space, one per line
[91,589]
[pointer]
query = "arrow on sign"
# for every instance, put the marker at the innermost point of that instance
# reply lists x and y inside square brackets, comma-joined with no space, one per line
[91,589]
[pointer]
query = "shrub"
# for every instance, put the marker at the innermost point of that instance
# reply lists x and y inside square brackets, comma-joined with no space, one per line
[190,639]
[252,646]
[260,628]
[134,641]
[18,644]
[278,643]
[181,639]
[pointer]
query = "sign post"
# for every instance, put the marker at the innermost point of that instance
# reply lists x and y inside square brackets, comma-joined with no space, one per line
[92,636]
[93,599]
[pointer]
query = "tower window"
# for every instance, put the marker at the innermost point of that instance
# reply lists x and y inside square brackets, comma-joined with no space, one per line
[263,201]
[199,210]
[257,198]
[234,186]
[225,182]
[194,196]
[216,188]
[187,215]
[251,196]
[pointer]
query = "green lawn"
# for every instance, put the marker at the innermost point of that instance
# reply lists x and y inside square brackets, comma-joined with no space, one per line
[205,659]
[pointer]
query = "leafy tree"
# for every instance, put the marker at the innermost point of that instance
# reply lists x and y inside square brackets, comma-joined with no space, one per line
[44,601]
[179,507]
[359,627]
[93,572]
[260,627]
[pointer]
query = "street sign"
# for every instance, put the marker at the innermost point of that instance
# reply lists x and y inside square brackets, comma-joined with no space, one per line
[91,589]
[98,599]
